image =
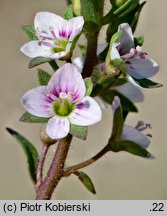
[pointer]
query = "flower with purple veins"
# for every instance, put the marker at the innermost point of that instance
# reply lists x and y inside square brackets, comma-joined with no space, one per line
[56,36]
[138,64]
[63,100]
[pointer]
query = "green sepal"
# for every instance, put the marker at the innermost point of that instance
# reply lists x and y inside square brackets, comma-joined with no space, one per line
[88,11]
[29,118]
[117,3]
[30,152]
[118,124]
[69,13]
[146,83]
[43,77]
[127,104]
[38,61]
[79,131]
[89,86]
[30,31]
[85,179]
[133,148]
[139,41]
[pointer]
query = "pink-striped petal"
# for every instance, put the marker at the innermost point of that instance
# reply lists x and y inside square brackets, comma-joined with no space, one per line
[58,127]
[37,102]
[87,112]
[68,79]
[75,25]
[32,49]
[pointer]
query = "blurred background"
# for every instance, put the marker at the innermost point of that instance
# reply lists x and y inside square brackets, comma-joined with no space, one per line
[116,176]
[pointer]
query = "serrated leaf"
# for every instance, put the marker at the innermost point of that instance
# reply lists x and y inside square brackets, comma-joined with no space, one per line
[146,83]
[85,179]
[79,131]
[30,32]
[133,148]
[30,152]
[29,118]
[69,13]
[43,77]
[88,11]
[38,61]
[139,41]
[89,85]
[127,105]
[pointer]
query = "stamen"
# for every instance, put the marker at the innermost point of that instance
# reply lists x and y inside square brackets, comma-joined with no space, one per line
[63,95]
[143,56]
[52,32]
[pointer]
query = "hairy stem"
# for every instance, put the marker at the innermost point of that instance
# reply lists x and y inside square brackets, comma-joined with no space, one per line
[91,55]
[41,164]
[88,162]
[55,172]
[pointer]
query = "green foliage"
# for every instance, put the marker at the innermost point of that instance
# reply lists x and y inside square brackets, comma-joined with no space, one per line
[133,148]
[30,152]
[88,11]
[38,61]
[43,77]
[89,85]
[87,182]
[146,83]
[29,118]
[139,41]
[30,32]
[69,13]
[79,131]
[127,105]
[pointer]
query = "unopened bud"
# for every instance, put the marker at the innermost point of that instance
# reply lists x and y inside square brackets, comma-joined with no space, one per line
[44,136]
[117,3]
[76,4]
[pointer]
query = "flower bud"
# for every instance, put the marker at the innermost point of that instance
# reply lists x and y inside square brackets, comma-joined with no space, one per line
[44,136]
[76,7]
[117,3]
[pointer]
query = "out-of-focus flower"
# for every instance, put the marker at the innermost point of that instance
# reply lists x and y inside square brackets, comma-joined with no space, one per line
[56,36]
[138,64]
[63,101]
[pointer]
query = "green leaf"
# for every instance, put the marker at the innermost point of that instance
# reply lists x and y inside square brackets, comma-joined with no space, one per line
[146,83]
[38,61]
[85,179]
[89,85]
[29,118]
[118,124]
[79,131]
[43,77]
[127,105]
[88,11]
[139,41]
[69,13]
[133,148]
[30,152]
[30,32]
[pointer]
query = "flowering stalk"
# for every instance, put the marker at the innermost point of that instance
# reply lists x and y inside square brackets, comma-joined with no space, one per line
[55,173]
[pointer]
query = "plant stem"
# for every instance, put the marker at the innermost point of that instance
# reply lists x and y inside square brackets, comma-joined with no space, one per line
[41,164]
[53,65]
[88,162]
[55,172]
[91,55]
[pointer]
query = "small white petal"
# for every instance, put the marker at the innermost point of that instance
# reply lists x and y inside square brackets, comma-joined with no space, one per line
[75,25]
[116,103]
[132,134]
[68,79]
[130,91]
[32,49]
[142,68]
[58,127]
[114,52]
[135,83]
[37,102]
[87,112]
[78,62]
[126,40]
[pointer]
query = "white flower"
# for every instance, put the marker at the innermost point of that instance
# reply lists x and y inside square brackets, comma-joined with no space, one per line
[63,100]
[56,36]
[139,65]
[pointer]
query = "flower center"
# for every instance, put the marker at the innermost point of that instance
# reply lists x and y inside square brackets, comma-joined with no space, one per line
[60,45]
[63,106]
